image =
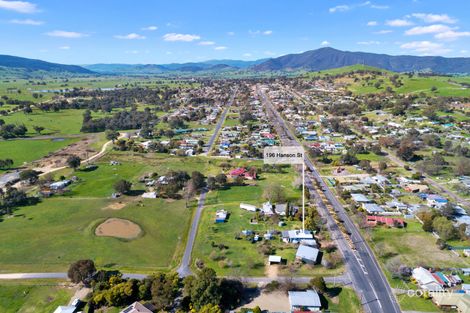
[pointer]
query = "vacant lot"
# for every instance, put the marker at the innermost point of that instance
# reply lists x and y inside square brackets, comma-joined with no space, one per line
[28,298]
[21,151]
[414,246]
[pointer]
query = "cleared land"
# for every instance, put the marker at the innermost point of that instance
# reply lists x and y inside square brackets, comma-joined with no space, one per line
[29,298]
[118,228]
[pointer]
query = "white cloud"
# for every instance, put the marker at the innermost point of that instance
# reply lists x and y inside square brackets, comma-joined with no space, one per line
[180,37]
[247,55]
[130,36]
[431,29]
[340,8]
[27,22]
[18,6]
[270,53]
[206,43]
[231,33]
[220,48]
[463,51]
[368,4]
[372,23]
[150,28]
[398,23]
[434,18]
[425,47]
[325,43]
[383,32]
[260,32]
[451,35]
[64,48]
[66,34]
[368,43]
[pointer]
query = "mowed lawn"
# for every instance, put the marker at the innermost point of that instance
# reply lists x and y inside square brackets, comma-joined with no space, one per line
[24,298]
[51,235]
[21,151]
[59,230]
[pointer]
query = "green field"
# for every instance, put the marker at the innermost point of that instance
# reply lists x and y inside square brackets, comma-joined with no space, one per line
[446,86]
[21,151]
[29,298]
[59,230]
[344,300]
[415,246]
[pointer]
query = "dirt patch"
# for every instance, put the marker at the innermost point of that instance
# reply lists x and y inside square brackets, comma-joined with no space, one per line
[271,271]
[115,206]
[272,302]
[119,228]
[81,148]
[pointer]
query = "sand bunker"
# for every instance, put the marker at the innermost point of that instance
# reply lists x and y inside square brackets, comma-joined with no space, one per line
[119,228]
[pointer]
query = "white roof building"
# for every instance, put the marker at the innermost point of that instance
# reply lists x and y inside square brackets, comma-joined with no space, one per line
[426,280]
[304,300]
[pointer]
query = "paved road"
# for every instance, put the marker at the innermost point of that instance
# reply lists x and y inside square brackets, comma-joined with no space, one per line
[185,267]
[212,140]
[366,275]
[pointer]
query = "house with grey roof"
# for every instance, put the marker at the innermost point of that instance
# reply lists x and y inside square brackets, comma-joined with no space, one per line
[304,301]
[307,254]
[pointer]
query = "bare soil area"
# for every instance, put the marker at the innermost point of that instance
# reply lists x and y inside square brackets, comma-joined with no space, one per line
[119,228]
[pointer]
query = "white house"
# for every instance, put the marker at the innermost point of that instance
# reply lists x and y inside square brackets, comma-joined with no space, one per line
[296,236]
[426,280]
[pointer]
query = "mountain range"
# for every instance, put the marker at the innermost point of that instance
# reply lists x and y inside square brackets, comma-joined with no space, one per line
[314,60]
[328,58]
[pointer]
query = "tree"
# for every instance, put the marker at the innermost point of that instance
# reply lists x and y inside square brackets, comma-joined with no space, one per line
[221,179]
[448,210]
[232,293]
[74,162]
[203,288]
[38,129]
[406,150]
[462,167]
[198,180]
[112,135]
[382,166]
[29,175]
[444,228]
[123,186]
[6,163]
[164,290]
[274,193]
[211,183]
[81,270]
[318,283]
[427,218]
[208,308]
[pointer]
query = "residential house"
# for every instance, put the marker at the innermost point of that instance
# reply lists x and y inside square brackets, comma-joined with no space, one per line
[221,216]
[274,259]
[389,221]
[360,198]
[304,301]
[372,208]
[426,280]
[138,307]
[452,301]
[65,309]
[307,254]
[295,236]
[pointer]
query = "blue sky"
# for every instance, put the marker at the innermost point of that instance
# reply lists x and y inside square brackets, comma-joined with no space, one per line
[160,31]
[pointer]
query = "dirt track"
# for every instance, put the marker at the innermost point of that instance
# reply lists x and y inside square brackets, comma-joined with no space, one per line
[119,228]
